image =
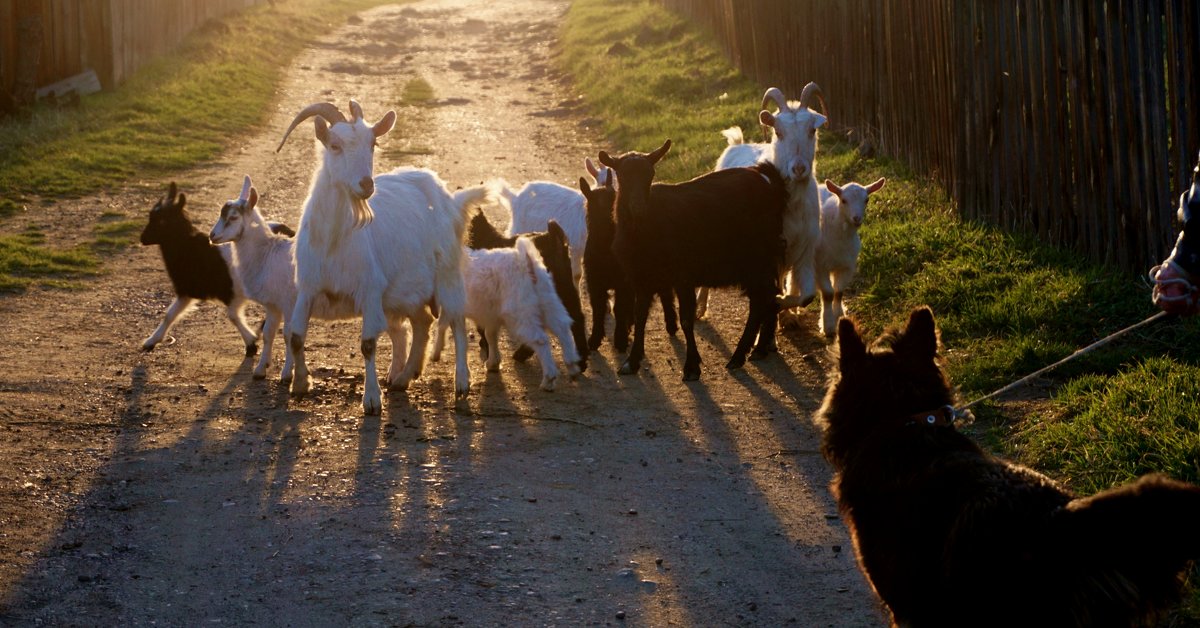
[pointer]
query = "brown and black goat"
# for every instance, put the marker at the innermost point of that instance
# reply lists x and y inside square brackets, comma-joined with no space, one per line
[604,272]
[720,229]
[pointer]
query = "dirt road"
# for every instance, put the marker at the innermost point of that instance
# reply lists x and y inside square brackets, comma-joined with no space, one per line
[169,488]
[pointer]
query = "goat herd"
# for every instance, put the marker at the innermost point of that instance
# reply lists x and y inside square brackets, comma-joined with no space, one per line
[389,248]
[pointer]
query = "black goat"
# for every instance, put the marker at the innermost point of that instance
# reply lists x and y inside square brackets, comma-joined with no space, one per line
[199,270]
[552,246]
[720,229]
[604,272]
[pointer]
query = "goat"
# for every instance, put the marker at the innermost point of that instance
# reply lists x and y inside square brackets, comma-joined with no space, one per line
[510,287]
[836,259]
[792,150]
[199,271]
[553,248]
[539,202]
[720,229]
[264,262]
[389,247]
[604,272]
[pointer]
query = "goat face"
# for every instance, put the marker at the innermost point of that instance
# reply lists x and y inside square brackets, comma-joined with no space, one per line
[635,172]
[234,214]
[852,200]
[598,204]
[350,151]
[167,217]
[794,138]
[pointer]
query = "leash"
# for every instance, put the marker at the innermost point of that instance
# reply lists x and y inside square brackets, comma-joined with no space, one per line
[963,413]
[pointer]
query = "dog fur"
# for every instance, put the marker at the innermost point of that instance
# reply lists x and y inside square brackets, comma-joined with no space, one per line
[949,535]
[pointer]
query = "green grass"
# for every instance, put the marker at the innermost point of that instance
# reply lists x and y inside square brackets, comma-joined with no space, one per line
[178,110]
[415,96]
[25,261]
[1006,305]
[113,233]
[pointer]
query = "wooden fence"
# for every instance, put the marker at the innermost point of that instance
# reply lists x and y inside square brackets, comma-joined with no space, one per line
[1077,121]
[112,37]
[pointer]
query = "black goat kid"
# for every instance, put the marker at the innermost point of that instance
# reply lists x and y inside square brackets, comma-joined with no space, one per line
[552,245]
[199,270]
[721,229]
[604,272]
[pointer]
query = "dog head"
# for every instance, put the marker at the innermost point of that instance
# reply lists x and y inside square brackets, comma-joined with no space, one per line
[878,387]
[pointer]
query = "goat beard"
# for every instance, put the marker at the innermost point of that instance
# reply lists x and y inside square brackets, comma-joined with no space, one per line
[362,212]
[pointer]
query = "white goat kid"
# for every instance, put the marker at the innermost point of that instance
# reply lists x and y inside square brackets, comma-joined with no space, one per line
[510,288]
[265,263]
[396,258]
[792,150]
[842,212]
[539,202]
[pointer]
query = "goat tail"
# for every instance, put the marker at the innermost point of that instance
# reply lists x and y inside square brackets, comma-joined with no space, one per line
[464,201]
[533,259]
[734,136]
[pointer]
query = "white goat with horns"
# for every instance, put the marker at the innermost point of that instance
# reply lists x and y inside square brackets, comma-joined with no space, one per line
[792,150]
[389,247]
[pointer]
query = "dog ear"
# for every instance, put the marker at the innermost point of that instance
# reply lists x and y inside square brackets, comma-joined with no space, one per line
[920,336]
[850,345]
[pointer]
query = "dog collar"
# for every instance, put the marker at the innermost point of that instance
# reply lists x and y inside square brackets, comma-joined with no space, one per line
[941,417]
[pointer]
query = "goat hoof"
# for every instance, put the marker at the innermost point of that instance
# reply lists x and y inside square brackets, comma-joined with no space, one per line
[548,383]
[736,362]
[627,368]
[522,353]
[594,342]
[399,384]
[372,406]
[582,364]
[148,347]
[259,375]
[460,394]
[251,349]
[691,375]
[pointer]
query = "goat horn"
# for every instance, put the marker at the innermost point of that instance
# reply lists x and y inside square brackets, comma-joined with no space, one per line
[810,90]
[775,95]
[245,189]
[326,110]
[356,110]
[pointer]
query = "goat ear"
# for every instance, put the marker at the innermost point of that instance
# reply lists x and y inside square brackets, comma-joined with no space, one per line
[850,345]
[584,187]
[322,130]
[920,336]
[252,199]
[819,120]
[591,168]
[171,192]
[556,232]
[180,201]
[766,119]
[607,160]
[385,124]
[659,152]
[875,187]
[833,188]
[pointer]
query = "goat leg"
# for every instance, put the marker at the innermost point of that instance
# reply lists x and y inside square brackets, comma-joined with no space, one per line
[753,322]
[670,319]
[633,361]
[687,318]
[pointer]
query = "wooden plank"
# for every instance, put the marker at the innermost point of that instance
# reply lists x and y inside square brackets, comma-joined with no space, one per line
[81,84]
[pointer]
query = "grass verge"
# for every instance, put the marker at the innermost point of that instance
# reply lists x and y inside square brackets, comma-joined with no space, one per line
[1006,305]
[25,261]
